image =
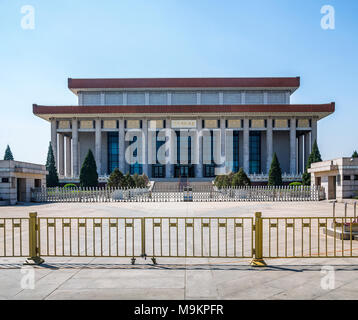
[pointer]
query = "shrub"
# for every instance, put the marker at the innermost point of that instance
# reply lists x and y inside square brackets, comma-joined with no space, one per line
[116,178]
[128,181]
[70,186]
[296,183]
[218,182]
[145,179]
[240,179]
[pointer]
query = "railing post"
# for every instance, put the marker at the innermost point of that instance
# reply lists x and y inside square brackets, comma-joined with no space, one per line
[258,261]
[34,251]
[144,255]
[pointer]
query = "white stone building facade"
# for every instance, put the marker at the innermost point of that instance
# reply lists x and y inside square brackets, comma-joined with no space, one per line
[241,121]
[339,177]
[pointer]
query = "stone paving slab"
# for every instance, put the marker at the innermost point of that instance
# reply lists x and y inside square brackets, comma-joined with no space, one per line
[230,279]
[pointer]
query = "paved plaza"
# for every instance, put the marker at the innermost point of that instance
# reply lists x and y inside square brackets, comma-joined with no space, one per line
[180,278]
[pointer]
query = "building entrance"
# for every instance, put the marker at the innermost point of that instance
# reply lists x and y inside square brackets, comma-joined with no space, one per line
[184,171]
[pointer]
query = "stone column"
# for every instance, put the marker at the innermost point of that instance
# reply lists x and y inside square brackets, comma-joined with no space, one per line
[54,140]
[145,147]
[269,144]
[61,155]
[223,144]
[68,156]
[307,148]
[75,159]
[293,146]
[121,150]
[246,147]
[98,146]
[169,153]
[199,150]
[300,156]
[313,132]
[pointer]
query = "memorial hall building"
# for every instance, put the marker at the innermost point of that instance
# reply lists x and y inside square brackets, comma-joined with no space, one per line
[183,127]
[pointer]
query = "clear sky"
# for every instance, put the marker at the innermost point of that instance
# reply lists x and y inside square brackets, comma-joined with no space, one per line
[167,38]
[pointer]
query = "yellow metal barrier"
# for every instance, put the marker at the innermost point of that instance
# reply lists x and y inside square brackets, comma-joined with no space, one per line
[257,238]
[14,237]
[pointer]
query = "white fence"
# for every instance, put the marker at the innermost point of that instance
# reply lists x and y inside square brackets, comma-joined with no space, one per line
[259,193]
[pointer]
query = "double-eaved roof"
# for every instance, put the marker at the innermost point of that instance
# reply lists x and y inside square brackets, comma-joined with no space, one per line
[106,111]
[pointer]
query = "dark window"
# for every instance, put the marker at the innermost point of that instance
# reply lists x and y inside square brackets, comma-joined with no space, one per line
[113,151]
[209,169]
[158,170]
[345,178]
[255,152]
[355,177]
[235,150]
[5,180]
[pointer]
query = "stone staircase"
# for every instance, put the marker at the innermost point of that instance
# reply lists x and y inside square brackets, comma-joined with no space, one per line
[171,186]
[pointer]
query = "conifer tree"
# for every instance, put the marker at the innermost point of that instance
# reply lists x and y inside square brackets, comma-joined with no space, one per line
[275,173]
[51,177]
[8,154]
[88,174]
[115,180]
[240,179]
[355,154]
[315,156]
[128,181]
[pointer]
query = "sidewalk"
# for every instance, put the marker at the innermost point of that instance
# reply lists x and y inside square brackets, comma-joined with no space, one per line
[109,278]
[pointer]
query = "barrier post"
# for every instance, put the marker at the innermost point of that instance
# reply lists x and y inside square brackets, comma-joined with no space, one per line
[144,255]
[257,261]
[33,241]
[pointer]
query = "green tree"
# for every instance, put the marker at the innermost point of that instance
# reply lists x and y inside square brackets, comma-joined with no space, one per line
[145,180]
[128,181]
[136,180]
[218,182]
[8,154]
[355,154]
[240,179]
[51,177]
[315,156]
[275,173]
[115,180]
[88,174]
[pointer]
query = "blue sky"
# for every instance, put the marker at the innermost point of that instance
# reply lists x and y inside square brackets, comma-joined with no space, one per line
[164,38]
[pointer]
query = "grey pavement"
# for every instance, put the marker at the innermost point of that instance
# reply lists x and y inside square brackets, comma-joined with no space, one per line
[110,278]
